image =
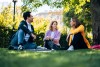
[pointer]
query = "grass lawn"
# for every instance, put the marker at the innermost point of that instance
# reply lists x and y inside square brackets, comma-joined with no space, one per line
[77,58]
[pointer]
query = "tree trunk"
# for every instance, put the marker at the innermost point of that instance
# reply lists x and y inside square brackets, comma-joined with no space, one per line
[95,10]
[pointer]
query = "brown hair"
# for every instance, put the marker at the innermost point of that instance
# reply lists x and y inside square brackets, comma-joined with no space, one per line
[52,24]
[74,19]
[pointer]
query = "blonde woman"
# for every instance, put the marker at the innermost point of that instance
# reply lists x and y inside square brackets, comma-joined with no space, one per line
[52,37]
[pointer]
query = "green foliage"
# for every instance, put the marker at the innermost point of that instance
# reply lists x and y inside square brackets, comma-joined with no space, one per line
[79,8]
[7,24]
[4,36]
[30,5]
[6,18]
[40,26]
[63,41]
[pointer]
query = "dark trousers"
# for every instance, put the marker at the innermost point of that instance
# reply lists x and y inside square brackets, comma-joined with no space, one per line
[78,42]
[50,45]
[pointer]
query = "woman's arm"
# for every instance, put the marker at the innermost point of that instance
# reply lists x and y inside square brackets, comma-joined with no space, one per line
[56,40]
[45,37]
[58,35]
[78,29]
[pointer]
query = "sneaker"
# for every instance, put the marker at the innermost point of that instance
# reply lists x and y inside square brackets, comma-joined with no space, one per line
[13,48]
[71,48]
[39,47]
[20,47]
[52,49]
[10,47]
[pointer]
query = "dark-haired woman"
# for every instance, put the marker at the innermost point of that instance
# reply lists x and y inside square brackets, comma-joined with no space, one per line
[76,37]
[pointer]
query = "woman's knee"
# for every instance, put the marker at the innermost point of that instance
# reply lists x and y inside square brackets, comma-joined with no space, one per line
[78,34]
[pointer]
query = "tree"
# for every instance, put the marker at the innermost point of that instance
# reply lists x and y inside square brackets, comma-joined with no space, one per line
[32,5]
[95,9]
[78,8]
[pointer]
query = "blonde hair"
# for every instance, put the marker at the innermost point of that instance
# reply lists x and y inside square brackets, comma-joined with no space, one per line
[50,27]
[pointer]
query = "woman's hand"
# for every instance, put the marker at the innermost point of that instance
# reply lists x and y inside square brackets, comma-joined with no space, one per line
[50,38]
[47,38]
[68,36]
[56,41]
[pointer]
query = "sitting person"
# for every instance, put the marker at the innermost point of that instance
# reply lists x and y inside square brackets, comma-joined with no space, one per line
[24,37]
[76,37]
[52,37]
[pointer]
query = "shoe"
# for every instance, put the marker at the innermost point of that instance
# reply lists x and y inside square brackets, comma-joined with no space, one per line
[39,47]
[10,47]
[20,47]
[52,49]
[71,48]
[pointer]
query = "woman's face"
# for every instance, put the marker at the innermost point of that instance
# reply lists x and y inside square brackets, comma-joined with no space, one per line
[72,23]
[54,25]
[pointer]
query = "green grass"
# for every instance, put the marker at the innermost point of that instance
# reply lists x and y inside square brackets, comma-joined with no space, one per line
[77,58]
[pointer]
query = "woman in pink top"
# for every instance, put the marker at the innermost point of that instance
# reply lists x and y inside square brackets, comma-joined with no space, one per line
[52,37]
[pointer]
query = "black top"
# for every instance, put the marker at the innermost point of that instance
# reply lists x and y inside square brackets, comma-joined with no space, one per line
[23,25]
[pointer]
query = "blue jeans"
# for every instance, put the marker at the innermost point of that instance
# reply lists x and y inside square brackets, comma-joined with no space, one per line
[19,39]
[50,45]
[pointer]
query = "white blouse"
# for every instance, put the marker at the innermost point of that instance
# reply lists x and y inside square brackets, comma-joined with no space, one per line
[52,34]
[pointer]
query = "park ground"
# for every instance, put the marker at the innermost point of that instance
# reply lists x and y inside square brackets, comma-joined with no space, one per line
[76,58]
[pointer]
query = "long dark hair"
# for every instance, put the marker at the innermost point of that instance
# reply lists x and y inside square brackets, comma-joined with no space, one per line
[74,19]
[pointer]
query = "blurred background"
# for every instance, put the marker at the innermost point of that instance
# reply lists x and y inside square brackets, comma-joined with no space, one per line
[44,11]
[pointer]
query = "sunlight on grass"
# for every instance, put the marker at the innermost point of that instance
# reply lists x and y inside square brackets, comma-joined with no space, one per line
[34,55]
[12,52]
[24,55]
[78,58]
[59,59]
[37,55]
[44,51]
[93,51]
[90,52]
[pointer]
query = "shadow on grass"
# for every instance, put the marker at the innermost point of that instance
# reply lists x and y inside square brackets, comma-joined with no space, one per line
[77,58]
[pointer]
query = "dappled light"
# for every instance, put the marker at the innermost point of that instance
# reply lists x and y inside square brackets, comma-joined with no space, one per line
[60,11]
[83,58]
[24,55]
[44,12]
[93,52]
[12,52]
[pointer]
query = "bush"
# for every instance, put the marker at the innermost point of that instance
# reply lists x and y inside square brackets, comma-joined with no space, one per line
[5,34]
